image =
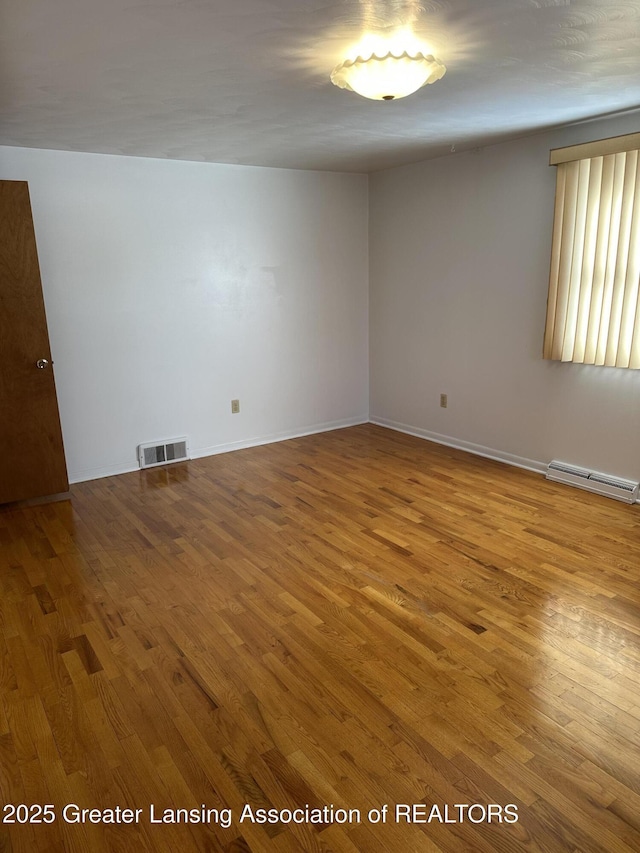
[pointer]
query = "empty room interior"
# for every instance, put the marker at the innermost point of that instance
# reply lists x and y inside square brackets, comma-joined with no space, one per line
[320,425]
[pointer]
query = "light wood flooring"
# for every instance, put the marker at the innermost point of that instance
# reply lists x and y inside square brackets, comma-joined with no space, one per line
[355,619]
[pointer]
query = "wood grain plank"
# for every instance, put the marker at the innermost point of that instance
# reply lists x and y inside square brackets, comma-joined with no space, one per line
[355,618]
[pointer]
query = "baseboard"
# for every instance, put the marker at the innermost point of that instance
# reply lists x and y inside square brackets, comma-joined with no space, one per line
[277,436]
[459,444]
[87,474]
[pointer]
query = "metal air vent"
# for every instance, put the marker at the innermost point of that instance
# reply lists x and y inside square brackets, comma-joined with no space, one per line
[163,453]
[593,481]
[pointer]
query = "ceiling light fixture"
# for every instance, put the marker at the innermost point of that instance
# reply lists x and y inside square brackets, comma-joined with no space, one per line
[388,77]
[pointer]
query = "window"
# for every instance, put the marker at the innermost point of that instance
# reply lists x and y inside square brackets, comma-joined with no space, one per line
[593,311]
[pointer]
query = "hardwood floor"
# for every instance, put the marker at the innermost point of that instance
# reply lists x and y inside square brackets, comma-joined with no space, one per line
[354,619]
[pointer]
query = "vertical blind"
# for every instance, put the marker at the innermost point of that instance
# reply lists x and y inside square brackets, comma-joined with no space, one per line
[593,311]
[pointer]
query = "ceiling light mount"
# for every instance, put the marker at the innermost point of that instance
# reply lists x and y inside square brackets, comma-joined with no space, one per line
[387,77]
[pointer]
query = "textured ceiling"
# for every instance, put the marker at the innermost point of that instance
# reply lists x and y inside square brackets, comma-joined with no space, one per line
[247,81]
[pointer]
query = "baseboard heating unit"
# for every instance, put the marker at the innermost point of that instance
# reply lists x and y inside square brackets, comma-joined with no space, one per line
[163,452]
[593,481]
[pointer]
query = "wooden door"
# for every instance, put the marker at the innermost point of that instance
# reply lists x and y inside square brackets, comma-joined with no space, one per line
[32,462]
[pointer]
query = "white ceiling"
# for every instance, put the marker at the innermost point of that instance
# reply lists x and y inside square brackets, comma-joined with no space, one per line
[247,81]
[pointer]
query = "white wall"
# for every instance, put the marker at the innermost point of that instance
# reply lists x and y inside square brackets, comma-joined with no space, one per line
[173,287]
[459,259]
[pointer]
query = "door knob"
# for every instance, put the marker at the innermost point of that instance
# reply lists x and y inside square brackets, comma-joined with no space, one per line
[41,363]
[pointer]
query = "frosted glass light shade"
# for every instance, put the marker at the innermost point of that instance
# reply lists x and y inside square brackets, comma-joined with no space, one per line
[385,78]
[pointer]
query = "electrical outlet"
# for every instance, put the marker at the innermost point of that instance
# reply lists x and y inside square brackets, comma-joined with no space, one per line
[443,401]
[235,407]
